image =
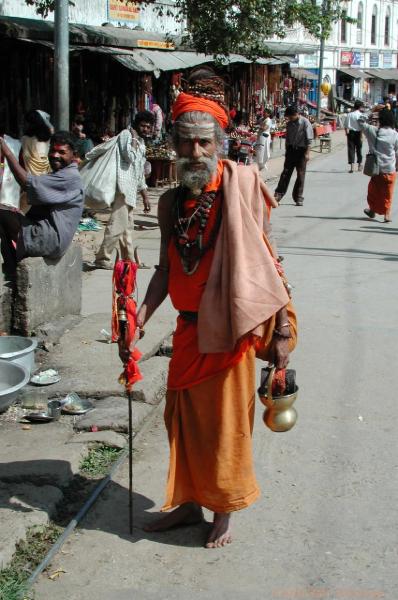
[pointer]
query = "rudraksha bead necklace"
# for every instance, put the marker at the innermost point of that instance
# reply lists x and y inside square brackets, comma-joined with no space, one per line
[192,250]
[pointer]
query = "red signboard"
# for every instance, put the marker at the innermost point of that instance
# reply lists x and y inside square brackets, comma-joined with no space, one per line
[346,58]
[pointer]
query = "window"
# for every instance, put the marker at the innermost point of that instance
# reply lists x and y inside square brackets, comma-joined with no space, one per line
[374,26]
[343,30]
[387,28]
[359,23]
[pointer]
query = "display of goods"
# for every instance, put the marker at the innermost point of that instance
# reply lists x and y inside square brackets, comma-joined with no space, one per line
[159,152]
[240,133]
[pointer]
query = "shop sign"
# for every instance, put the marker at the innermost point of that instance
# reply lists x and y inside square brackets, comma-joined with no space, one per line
[155,44]
[120,10]
[356,59]
[346,58]
[310,60]
[374,59]
[387,59]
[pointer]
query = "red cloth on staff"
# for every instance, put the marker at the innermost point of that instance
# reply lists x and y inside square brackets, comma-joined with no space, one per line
[124,279]
[380,192]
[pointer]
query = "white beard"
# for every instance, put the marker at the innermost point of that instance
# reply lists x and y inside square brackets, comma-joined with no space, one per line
[196,179]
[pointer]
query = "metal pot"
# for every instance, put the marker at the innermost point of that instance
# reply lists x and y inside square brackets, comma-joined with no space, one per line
[280,415]
[20,350]
[13,377]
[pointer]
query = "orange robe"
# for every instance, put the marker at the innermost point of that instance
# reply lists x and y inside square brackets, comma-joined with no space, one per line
[210,402]
[381,192]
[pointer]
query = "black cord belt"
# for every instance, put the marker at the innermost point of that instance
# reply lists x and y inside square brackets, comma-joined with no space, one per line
[187,315]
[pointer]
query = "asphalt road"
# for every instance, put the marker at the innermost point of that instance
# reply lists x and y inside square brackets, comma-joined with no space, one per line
[325,526]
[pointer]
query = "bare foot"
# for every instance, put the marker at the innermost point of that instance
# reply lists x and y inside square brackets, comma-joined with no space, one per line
[221,533]
[186,514]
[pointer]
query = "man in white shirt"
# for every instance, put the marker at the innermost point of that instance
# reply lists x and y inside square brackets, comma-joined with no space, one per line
[130,180]
[354,136]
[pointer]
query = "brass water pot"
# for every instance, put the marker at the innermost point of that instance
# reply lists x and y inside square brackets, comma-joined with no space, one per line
[280,415]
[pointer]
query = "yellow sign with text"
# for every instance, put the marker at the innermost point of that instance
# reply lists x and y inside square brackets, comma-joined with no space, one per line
[120,10]
[155,44]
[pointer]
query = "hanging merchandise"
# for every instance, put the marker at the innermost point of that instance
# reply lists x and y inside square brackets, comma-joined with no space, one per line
[325,87]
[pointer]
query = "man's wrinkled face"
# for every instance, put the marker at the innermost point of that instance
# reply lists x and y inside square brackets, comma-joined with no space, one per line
[197,154]
[60,156]
[145,129]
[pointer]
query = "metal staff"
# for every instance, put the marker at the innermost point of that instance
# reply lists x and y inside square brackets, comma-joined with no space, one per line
[126,332]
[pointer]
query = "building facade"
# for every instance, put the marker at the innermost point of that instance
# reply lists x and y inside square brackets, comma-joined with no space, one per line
[98,12]
[360,58]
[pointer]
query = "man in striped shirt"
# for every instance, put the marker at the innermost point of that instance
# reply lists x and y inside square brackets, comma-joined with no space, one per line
[57,205]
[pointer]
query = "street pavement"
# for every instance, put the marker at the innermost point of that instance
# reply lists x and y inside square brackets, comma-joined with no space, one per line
[325,525]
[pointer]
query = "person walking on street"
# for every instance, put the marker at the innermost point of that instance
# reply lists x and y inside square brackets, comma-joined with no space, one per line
[299,135]
[263,144]
[218,268]
[354,136]
[130,180]
[383,142]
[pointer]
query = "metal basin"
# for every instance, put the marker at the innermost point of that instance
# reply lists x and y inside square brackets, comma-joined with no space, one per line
[13,377]
[20,350]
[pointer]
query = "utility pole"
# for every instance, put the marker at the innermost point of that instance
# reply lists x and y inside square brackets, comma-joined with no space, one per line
[321,56]
[320,77]
[61,64]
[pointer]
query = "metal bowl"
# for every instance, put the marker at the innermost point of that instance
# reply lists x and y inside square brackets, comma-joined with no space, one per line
[72,404]
[20,350]
[39,417]
[13,377]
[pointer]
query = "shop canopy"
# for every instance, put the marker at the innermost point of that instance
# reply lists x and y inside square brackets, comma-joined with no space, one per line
[300,74]
[156,61]
[385,74]
[344,102]
[137,50]
[354,73]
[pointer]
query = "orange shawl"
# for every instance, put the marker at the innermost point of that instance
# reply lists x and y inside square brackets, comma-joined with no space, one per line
[243,289]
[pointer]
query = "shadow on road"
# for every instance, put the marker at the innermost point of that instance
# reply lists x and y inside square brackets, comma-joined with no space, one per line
[326,171]
[110,514]
[375,229]
[333,218]
[340,252]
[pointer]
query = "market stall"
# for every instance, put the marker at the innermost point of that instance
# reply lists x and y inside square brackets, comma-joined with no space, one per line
[163,165]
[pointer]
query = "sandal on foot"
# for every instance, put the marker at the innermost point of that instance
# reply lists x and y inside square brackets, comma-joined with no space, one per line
[369,213]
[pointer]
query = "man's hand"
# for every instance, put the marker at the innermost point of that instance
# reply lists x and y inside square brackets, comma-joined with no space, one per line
[279,353]
[145,199]
[3,145]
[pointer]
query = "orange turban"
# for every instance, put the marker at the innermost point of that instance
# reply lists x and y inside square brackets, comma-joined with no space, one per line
[187,103]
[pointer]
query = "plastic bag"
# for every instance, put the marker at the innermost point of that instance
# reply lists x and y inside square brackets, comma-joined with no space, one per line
[99,175]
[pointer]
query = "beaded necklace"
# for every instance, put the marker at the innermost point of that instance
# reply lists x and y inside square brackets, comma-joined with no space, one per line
[192,250]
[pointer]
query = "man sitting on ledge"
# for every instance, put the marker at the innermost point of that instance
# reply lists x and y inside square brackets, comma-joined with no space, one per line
[57,206]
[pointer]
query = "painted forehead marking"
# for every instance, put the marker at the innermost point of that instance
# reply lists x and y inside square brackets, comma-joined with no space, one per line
[58,147]
[195,130]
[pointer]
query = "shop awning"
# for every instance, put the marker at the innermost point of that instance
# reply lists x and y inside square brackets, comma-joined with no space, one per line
[156,61]
[385,74]
[344,102]
[39,29]
[120,37]
[299,73]
[354,73]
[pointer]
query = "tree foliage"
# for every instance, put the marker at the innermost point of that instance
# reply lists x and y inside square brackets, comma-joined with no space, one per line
[44,7]
[219,27]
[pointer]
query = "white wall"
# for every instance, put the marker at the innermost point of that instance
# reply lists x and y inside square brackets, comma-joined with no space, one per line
[95,12]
